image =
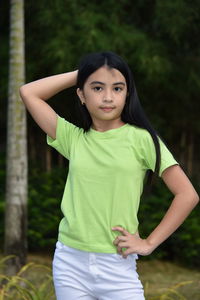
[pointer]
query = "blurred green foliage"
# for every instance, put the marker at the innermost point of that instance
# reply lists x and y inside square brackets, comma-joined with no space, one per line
[45,194]
[160,41]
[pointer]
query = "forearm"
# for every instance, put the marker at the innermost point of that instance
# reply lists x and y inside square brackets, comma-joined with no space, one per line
[34,95]
[180,208]
[47,87]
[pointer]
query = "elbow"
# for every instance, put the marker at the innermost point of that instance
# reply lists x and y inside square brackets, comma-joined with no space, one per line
[191,197]
[23,92]
[196,198]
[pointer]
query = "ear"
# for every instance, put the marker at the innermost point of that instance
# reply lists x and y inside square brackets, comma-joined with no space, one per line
[80,95]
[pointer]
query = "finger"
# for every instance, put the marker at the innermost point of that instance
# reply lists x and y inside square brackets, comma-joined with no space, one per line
[124,231]
[137,233]
[122,238]
[119,239]
[126,253]
[115,242]
[119,250]
[121,246]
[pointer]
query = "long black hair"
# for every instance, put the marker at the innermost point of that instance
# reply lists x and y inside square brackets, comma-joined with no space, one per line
[133,112]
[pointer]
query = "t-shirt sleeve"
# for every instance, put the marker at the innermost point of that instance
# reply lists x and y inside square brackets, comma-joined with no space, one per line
[66,134]
[149,154]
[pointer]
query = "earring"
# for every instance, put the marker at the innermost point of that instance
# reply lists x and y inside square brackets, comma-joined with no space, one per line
[82,103]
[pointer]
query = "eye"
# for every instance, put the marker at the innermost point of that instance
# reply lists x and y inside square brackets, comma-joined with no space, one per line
[118,89]
[97,88]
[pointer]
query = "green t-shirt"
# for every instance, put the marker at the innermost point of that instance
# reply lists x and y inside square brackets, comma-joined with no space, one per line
[105,182]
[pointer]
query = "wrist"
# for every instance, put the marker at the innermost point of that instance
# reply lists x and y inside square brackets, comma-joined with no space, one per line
[75,75]
[152,245]
[70,78]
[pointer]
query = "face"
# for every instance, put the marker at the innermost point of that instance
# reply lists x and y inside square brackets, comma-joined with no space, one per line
[104,94]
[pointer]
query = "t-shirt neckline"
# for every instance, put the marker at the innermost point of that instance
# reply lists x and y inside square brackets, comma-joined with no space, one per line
[107,133]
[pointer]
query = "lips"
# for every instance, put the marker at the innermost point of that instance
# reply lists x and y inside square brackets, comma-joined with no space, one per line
[104,107]
[107,109]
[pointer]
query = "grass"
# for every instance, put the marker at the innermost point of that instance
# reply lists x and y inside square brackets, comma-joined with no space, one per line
[169,279]
[32,282]
[161,280]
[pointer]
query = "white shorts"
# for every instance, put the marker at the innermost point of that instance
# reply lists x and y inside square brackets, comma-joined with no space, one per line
[86,275]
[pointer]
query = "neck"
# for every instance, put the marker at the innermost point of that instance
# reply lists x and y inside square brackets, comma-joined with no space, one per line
[106,125]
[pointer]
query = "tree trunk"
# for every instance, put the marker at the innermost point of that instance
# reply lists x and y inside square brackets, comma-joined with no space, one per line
[48,159]
[60,160]
[16,180]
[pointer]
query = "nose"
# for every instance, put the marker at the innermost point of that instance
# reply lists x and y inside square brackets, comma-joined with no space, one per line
[108,96]
[106,100]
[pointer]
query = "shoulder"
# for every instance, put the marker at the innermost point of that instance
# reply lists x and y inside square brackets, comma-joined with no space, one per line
[140,135]
[64,125]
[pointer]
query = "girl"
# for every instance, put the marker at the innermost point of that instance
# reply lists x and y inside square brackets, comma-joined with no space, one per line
[98,241]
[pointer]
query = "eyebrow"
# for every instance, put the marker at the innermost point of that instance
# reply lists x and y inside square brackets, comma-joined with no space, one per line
[102,83]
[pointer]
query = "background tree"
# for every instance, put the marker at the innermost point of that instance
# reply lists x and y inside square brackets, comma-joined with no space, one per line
[16,180]
[160,41]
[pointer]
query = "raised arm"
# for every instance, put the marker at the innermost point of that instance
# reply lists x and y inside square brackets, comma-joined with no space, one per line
[34,95]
